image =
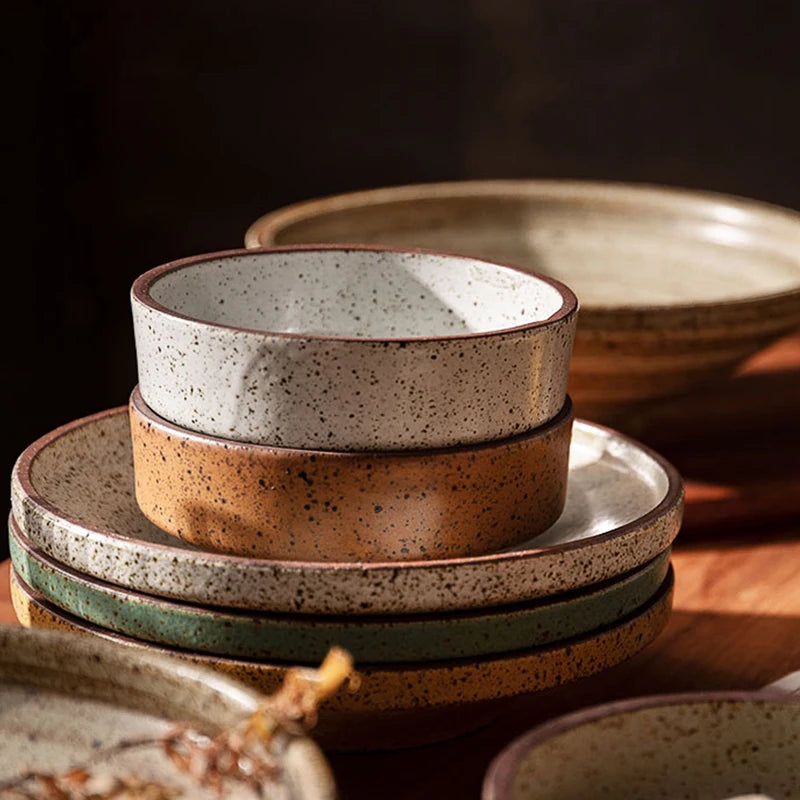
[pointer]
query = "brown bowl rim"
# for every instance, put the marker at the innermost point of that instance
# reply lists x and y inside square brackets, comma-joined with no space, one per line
[502,770]
[140,293]
[672,499]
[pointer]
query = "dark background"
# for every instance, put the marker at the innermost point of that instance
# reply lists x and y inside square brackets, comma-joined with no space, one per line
[142,132]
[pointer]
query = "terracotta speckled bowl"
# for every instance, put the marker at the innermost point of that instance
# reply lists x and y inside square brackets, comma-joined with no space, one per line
[65,698]
[703,745]
[72,492]
[310,505]
[406,704]
[352,348]
[676,287]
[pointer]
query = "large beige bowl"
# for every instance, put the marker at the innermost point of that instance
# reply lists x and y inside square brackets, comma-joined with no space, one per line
[676,287]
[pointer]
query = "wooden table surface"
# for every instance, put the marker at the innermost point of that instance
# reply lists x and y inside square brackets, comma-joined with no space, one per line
[736,623]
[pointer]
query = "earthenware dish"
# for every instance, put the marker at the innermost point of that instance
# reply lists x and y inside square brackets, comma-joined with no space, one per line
[676,287]
[64,697]
[313,505]
[243,634]
[354,348]
[405,704]
[702,745]
[73,497]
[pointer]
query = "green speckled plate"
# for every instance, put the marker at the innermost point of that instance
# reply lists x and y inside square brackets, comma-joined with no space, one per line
[307,638]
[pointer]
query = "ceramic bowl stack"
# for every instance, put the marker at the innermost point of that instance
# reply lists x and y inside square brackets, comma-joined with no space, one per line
[356,446]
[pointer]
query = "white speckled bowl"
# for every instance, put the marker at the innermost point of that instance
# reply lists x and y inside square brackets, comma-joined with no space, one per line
[64,696]
[677,287]
[72,493]
[352,348]
[701,746]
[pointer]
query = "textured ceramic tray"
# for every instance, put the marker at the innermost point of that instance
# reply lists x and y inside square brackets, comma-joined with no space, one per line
[398,705]
[63,698]
[427,637]
[677,287]
[73,497]
[703,745]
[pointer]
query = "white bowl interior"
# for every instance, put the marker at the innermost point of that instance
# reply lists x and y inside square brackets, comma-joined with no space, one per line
[613,246]
[357,293]
[703,749]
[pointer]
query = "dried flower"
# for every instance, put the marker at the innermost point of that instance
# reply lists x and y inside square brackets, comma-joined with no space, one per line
[243,754]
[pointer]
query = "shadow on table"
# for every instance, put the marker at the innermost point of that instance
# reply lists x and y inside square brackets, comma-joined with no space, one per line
[736,446]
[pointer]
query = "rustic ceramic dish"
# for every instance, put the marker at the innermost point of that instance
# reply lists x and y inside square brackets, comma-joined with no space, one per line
[428,637]
[312,505]
[676,287]
[65,697]
[404,704]
[354,348]
[73,497]
[702,745]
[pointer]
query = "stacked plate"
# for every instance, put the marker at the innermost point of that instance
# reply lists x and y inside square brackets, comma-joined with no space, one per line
[404,481]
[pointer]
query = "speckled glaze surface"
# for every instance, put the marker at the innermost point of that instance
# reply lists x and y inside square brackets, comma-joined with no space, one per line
[428,637]
[400,693]
[693,746]
[63,697]
[676,287]
[73,497]
[366,349]
[310,505]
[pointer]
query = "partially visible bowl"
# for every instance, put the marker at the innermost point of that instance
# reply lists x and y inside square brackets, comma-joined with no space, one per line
[677,287]
[713,745]
[352,348]
[314,505]
[66,699]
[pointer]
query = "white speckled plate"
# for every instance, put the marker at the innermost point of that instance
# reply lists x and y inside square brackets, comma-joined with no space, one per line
[73,497]
[66,698]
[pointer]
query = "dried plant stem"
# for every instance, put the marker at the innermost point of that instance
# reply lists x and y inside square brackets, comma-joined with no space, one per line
[243,754]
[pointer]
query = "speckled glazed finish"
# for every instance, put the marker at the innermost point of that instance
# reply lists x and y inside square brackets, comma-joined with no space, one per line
[693,746]
[676,287]
[427,637]
[352,349]
[404,693]
[73,497]
[63,697]
[306,505]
